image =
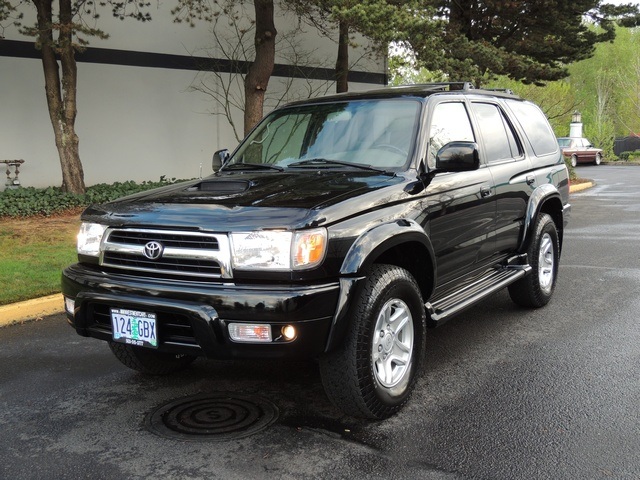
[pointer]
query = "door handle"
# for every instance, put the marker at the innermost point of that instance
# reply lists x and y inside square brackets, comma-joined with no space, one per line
[485,191]
[531,179]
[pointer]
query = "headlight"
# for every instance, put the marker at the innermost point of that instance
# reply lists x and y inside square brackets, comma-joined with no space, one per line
[278,250]
[89,238]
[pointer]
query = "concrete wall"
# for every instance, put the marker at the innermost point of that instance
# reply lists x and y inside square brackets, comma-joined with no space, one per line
[137,118]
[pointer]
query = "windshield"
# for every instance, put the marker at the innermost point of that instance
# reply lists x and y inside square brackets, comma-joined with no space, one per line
[375,133]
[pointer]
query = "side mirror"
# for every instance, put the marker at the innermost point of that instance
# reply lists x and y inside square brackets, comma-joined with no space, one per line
[219,159]
[458,157]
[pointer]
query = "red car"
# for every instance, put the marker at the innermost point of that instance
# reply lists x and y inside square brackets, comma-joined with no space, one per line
[580,150]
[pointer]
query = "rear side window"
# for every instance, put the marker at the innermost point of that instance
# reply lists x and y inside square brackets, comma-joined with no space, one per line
[536,127]
[499,140]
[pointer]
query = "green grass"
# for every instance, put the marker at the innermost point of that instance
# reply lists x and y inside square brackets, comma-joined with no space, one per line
[37,234]
[33,253]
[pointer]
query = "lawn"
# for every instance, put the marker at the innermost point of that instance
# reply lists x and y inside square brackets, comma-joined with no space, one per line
[33,252]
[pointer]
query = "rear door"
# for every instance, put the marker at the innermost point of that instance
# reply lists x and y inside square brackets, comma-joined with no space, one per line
[587,151]
[504,154]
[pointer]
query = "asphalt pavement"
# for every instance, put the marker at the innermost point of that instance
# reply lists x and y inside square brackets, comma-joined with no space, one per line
[507,393]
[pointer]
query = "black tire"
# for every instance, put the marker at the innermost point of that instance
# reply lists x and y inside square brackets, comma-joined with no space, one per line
[374,371]
[598,159]
[535,290]
[149,361]
[574,160]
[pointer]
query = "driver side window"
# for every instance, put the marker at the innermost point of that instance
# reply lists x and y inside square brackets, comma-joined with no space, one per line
[450,122]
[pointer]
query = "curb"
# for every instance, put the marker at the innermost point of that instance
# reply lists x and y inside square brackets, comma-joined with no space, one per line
[31,309]
[581,186]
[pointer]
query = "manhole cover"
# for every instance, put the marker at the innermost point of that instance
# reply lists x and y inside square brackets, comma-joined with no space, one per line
[212,417]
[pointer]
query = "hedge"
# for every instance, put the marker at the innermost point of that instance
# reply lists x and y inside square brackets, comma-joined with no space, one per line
[29,201]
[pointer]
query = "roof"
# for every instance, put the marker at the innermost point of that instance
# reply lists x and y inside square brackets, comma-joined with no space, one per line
[417,90]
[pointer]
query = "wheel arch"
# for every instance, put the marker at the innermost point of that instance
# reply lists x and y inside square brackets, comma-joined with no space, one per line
[545,199]
[403,243]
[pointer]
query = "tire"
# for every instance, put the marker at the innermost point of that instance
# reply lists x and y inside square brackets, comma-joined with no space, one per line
[149,361]
[574,160]
[535,290]
[374,371]
[598,159]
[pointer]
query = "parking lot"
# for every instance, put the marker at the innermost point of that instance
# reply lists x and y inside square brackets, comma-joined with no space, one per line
[506,392]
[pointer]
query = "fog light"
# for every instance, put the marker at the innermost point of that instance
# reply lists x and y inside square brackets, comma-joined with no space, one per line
[250,332]
[289,332]
[69,305]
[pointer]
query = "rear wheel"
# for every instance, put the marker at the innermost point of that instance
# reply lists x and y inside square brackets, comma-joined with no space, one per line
[374,371]
[150,361]
[536,289]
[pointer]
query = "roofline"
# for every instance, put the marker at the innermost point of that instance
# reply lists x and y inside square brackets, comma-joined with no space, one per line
[418,90]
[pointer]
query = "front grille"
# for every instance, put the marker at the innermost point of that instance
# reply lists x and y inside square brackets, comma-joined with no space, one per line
[173,328]
[181,266]
[168,239]
[191,255]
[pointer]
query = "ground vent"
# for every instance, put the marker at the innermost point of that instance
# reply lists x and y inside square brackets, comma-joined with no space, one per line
[212,417]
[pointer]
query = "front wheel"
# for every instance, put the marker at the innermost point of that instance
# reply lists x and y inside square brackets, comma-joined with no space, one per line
[574,160]
[374,371]
[598,159]
[536,289]
[150,361]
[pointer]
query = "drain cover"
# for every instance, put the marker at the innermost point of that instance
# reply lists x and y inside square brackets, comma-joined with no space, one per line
[212,417]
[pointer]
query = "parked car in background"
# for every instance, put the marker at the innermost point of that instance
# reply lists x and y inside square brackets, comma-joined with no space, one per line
[580,150]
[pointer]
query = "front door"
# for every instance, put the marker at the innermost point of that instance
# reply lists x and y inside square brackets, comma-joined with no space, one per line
[461,211]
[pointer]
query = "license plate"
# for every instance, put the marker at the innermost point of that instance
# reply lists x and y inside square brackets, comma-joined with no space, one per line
[134,327]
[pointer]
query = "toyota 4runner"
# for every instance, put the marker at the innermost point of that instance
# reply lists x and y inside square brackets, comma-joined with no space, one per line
[340,229]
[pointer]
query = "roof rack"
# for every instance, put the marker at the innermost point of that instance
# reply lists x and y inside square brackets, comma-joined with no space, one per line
[447,86]
[460,86]
[504,90]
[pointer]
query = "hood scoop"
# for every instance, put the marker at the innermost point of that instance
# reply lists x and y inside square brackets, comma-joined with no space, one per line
[221,186]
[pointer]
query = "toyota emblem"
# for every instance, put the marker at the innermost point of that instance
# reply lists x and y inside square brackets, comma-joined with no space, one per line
[153,250]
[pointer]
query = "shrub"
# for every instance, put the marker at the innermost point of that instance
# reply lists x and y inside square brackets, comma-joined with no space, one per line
[635,155]
[572,171]
[25,202]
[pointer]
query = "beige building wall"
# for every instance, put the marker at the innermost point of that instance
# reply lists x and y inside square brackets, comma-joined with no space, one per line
[138,119]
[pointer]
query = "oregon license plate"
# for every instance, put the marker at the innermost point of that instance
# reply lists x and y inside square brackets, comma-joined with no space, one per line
[134,327]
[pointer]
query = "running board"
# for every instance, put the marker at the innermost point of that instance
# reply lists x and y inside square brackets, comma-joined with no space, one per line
[444,308]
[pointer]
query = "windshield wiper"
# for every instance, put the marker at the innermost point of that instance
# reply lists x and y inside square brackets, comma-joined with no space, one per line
[252,166]
[314,162]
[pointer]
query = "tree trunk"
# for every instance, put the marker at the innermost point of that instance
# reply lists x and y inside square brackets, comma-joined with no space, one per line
[257,79]
[61,93]
[342,62]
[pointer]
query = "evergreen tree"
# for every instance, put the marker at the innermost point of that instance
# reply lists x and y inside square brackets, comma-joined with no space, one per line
[528,40]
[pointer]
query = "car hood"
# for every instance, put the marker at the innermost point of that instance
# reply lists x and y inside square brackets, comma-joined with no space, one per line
[249,200]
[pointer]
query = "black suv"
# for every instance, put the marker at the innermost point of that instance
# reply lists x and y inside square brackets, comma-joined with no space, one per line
[340,228]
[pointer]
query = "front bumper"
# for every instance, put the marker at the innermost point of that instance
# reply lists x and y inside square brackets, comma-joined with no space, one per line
[193,317]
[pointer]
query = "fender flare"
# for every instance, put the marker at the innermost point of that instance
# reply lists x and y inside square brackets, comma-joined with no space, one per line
[539,197]
[363,252]
[381,238]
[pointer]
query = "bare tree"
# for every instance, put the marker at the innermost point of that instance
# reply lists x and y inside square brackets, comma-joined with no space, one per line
[61,29]
[224,79]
